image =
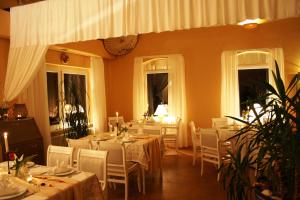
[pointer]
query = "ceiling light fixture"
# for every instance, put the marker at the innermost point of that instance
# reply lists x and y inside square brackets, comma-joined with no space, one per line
[251,23]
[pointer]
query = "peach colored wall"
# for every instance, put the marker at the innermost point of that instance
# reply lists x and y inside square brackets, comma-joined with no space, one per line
[92,46]
[4,46]
[53,57]
[202,50]
[4,24]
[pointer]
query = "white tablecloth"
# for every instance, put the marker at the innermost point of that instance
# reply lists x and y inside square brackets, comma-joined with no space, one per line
[145,150]
[73,186]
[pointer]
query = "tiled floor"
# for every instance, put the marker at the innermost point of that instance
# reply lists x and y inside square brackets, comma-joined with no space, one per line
[180,180]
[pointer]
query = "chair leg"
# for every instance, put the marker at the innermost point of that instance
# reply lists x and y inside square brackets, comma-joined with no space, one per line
[143,177]
[194,159]
[139,180]
[201,166]
[105,193]
[126,188]
[219,165]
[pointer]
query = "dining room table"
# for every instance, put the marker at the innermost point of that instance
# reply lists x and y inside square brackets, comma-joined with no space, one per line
[226,134]
[145,149]
[43,183]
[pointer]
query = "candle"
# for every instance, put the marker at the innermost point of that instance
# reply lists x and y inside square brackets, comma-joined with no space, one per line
[117,114]
[6,142]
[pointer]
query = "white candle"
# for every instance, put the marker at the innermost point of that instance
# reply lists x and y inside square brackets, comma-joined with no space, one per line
[6,142]
[117,114]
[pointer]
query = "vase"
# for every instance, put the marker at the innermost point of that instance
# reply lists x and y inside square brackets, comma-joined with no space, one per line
[22,172]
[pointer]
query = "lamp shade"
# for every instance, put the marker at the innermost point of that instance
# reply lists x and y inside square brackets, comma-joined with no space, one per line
[161,110]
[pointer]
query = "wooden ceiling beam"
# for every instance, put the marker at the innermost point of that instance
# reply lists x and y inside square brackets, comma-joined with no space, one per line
[6,4]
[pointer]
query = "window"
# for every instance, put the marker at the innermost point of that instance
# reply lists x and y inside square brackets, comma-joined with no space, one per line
[252,68]
[75,89]
[66,87]
[157,90]
[157,83]
[53,98]
[249,89]
[233,63]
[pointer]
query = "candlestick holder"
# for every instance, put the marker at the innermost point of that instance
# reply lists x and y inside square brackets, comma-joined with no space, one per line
[8,159]
[117,127]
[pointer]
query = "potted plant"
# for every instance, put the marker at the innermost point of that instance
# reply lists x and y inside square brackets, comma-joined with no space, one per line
[266,161]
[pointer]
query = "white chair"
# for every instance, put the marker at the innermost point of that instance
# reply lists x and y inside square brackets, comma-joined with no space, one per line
[95,144]
[59,154]
[78,144]
[209,141]
[171,131]
[219,122]
[93,161]
[118,169]
[112,122]
[196,141]
[134,128]
[152,129]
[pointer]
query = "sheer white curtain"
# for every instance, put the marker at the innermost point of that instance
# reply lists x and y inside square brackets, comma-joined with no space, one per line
[60,21]
[177,95]
[23,65]
[36,100]
[229,84]
[139,89]
[97,94]
[276,54]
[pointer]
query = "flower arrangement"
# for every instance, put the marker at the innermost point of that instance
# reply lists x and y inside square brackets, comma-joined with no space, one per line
[20,164]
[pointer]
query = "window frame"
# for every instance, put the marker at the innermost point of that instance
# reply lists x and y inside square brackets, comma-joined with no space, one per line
[61,70]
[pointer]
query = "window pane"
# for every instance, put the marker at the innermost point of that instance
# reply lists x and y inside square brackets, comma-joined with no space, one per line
[53,99]
[75,90]
[157,90]
[248,88]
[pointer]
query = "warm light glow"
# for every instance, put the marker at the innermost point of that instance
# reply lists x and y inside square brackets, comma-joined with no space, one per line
[6,142]
[258,109]
[161,110]
[117,114]
[169,120]
[68,108]
[29,178]
[251,23]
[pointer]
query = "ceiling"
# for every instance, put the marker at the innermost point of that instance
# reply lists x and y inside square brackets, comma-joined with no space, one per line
[7,4]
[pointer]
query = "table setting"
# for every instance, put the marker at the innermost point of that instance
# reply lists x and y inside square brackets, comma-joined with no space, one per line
[21,178]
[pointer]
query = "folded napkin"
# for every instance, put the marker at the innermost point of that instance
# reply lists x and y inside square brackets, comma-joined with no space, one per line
[34,171]
[59,170]
[7,186]
[61,167]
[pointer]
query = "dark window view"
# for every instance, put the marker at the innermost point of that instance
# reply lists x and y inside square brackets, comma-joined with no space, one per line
[53,99]
[75,91]
[157,90]
[248,88]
